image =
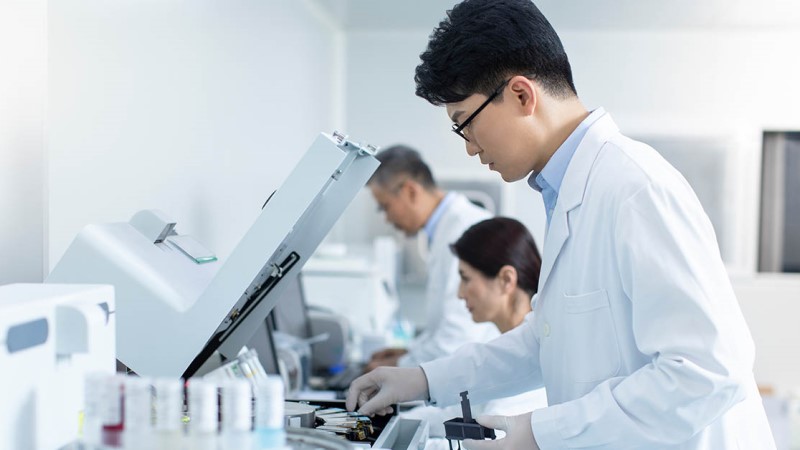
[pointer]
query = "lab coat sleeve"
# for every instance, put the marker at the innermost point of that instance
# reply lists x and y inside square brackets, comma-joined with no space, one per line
[684,315]
[507,365]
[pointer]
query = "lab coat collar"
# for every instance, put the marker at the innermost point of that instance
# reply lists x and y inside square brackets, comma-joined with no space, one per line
[572,191]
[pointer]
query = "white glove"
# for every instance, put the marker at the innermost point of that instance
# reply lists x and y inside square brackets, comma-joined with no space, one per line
[375,392]
[519,434]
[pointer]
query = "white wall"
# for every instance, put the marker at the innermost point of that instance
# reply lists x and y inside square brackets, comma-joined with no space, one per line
[770,305]
[197,108]
[23,56]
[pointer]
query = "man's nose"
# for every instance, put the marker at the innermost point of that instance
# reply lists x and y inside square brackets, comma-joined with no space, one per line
[472,149]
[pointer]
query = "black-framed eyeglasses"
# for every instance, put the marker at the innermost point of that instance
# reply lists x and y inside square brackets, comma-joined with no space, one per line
[459,129]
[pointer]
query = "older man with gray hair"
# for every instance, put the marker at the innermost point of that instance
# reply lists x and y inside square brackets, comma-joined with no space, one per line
[406,192]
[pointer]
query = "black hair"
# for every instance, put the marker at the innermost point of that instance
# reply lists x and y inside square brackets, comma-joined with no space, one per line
[501,241]
[482,43]
[401,161]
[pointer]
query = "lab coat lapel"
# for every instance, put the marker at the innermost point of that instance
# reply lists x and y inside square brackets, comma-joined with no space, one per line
[572,190]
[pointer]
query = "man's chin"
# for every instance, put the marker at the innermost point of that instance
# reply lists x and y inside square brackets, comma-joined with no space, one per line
[509,178]
[406,232]
[512,177]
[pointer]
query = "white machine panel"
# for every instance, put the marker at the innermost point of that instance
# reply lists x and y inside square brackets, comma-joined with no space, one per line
[175,310]
[50,337]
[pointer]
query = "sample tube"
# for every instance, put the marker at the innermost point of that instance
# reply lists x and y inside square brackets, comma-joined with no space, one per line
[247,371]
[252,359]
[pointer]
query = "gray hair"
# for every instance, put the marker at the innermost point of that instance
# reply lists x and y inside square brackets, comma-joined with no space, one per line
[401,161]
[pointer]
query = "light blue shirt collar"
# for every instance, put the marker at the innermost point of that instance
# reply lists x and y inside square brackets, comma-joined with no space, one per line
[548,181]
[433,221]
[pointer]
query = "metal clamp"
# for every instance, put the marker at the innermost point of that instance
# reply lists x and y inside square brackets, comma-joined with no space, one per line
[363,149]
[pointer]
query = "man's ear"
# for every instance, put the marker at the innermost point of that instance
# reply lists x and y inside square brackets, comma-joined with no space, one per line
[525,93]
[507,276]
[412,189]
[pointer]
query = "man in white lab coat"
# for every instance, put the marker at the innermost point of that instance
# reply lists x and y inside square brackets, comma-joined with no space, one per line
[635,331]
[404,188]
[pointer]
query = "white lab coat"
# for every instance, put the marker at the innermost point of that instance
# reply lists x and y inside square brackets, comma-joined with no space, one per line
[636,332]
[449,324]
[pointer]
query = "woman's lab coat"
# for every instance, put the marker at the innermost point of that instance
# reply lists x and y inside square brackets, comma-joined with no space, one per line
[449,323]
[636,332]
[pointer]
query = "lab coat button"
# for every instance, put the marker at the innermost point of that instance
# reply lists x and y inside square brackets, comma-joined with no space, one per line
[546,329]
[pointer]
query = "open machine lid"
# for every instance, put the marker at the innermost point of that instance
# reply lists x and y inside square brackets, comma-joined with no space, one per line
[173,309]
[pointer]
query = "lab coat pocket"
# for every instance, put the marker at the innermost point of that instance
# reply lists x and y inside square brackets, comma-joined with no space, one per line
[591,347]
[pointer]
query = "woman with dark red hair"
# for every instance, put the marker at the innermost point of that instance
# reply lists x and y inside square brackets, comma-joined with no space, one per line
[499,265]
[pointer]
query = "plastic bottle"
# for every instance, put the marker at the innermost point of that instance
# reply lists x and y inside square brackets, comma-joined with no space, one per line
[111,412]
[203,415]
[269,432]
[237,413]
[169,413]
[93,398]
[138,432]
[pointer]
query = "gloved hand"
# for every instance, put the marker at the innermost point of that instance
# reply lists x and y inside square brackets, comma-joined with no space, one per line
[519,434]
[375,392]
